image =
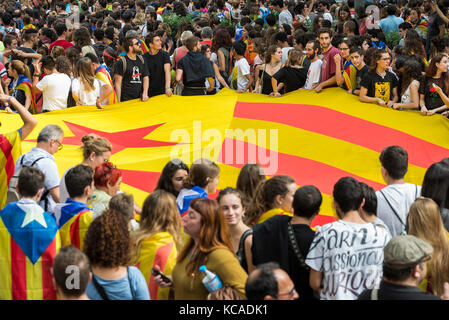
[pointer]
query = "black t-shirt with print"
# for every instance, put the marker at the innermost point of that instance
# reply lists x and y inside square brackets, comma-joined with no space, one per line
[155,66]
[431,97]
[379,87]
[132,82]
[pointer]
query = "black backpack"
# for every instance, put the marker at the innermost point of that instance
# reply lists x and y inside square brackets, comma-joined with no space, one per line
[12,195]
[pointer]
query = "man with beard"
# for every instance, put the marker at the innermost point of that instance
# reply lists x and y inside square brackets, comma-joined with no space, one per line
[130,73]
[328,68]
[314,73]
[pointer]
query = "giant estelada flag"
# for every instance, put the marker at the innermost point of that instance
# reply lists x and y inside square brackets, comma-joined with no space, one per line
[315,138]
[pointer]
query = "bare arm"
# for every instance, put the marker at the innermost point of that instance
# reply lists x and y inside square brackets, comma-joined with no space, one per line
[146,85]
[29,122]
[329,82]
[118,86]
[179,75]
[414,95]
[167,72]
[315,280]
[338,74]
[55,194]
[219,77]
[248,253]
[363,97]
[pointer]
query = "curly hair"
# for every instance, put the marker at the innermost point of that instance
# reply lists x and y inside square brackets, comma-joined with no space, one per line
[107,243]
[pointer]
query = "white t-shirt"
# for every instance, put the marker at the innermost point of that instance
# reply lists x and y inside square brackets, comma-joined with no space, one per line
[55,90]
[407,97]
[350,256]
[87,98]
[242,69]
[328,16]
[314,74]
[400,197]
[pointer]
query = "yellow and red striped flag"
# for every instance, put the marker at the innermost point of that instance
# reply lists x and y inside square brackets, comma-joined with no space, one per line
[29,242]
[315,138]
[11,149]
[158,249]
[73,218]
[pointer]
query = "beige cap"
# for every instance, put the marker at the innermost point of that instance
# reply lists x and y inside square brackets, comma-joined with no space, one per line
[405,251]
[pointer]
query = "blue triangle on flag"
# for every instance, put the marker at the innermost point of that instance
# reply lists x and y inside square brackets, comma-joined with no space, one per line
[33,239]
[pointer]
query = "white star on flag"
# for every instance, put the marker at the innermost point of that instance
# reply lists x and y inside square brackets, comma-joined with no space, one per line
[33,213]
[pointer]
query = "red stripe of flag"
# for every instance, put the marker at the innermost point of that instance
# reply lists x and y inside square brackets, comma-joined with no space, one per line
[343,127]
[304,171]
[18,272]
[160,259]
[47,258]
[75,232]
[6,148]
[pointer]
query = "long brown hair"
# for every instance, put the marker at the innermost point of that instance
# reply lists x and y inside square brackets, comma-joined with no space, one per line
[249,177]
[432,71]
[214,234]
[264,198]
[426,223]
[159,214]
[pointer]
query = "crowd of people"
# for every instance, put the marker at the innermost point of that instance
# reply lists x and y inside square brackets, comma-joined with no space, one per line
[257,237]
[390,53]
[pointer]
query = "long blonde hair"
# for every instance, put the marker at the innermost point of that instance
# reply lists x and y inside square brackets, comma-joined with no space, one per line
[426,224]
[85,73]
[21,68]
[159,214]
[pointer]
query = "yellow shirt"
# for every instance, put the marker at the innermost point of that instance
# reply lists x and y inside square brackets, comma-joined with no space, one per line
[220,261]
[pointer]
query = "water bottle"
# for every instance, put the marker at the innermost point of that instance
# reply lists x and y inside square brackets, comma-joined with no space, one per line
[210,280]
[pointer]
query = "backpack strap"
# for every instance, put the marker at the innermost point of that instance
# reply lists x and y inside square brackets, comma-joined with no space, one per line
[123,60]
[141,58]
[130,285]
[392,209]
[99,288]
[302,262]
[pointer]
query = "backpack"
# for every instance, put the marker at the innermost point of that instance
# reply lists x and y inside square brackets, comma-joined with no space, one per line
[12,195]
[123,60]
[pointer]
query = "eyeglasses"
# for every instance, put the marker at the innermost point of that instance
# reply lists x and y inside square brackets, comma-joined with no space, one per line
[136,44]
[291,293]
[386,59]
[344,49]
[60,145]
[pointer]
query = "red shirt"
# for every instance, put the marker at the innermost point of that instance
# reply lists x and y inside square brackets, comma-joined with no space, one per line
[328,67]
[208,42]
[61,43]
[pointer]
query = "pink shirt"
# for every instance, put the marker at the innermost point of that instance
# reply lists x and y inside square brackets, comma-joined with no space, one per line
[328,67]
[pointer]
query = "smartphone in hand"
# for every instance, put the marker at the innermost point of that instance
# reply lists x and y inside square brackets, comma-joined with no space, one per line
[155,273]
